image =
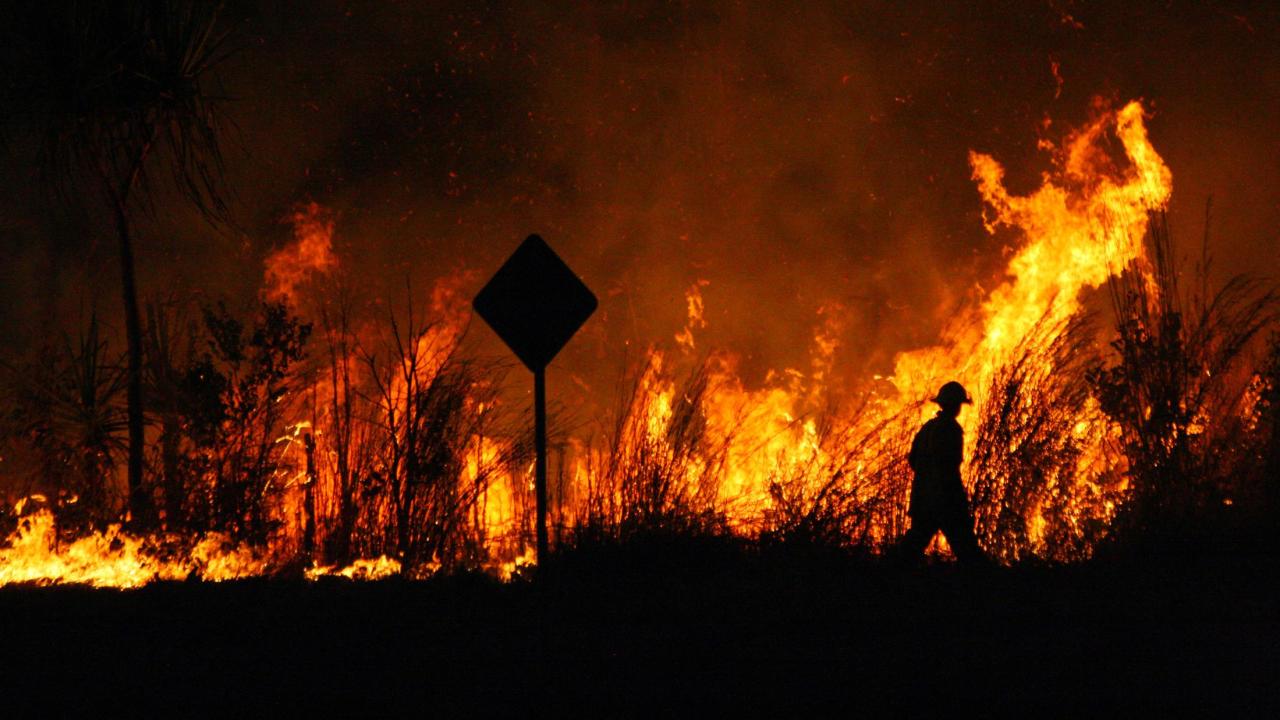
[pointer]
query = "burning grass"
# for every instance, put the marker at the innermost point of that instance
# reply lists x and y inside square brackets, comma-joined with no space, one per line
[1037,490]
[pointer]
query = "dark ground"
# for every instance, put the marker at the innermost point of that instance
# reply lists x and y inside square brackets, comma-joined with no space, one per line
[672,628]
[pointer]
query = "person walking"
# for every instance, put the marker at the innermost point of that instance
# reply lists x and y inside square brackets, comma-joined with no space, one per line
[938,499]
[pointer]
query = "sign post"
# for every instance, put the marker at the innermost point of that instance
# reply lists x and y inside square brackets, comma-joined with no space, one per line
[540,457]
[535,303]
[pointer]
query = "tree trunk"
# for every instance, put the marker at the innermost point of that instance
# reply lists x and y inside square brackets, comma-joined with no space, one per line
[342,550]
[140,505]
[309,501]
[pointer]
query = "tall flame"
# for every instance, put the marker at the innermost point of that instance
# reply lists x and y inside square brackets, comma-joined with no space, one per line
[1086,222]
[310,253]
[1080,227]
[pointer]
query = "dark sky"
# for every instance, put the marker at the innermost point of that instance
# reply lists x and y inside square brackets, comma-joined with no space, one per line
[792,154]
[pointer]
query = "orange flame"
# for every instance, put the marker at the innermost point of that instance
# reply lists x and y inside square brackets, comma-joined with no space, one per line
[1083,225]
[310,254]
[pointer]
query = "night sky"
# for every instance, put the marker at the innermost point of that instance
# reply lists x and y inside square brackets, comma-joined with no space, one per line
[794,155]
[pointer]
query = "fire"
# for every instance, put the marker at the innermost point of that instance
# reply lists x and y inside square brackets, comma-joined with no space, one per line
[693,437]
[372,569]
[1084,224]
[1081,227]
[116,559]
[310,253]
[696,314]
[499,509]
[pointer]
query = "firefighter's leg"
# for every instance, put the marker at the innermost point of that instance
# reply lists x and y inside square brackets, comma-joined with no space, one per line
[958,527]
[913,543]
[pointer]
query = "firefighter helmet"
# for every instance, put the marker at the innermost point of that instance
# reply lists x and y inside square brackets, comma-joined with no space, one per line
[953,393]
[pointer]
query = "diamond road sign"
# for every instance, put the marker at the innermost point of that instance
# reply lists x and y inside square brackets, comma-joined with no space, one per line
[535,303]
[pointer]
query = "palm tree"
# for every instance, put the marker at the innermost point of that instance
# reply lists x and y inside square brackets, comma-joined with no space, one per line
[113,91]
[84,414]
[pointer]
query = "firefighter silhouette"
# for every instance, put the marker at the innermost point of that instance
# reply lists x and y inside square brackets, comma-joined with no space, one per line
[938,499]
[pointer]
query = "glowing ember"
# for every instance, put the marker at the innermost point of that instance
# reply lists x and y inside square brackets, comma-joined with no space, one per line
[374,569]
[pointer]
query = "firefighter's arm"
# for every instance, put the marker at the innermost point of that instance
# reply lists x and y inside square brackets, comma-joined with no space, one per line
[917,455]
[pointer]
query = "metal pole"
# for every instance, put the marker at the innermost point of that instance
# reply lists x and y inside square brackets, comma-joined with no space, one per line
[540,463]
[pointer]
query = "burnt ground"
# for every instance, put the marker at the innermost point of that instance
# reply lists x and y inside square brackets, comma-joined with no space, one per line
[670,628]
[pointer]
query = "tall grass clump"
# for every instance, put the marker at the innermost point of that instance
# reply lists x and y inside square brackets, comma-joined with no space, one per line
[1176,388]
[849,490]
[1032,495]
[660,469]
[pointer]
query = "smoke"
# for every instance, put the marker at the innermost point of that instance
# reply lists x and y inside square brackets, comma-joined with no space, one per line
[782,157]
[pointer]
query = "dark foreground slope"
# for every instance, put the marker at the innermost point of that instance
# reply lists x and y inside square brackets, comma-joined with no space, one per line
[667,627]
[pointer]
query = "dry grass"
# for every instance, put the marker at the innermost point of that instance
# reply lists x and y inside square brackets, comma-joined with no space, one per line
[1177,385]
[851,490]
[1029,446]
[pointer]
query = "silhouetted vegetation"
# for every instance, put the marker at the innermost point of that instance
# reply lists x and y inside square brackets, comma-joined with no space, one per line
[849,492]
[247,389]
[425,472]
[65,426]
[379,436]
[661,471]
[1180,391]
[111,90]
[398,421]
[1034,425]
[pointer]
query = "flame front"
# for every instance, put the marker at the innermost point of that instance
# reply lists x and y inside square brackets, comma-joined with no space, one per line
[1085,223]
[781,444]
[783,455]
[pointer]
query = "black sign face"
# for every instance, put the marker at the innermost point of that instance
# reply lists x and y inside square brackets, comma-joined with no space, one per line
[535,303]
